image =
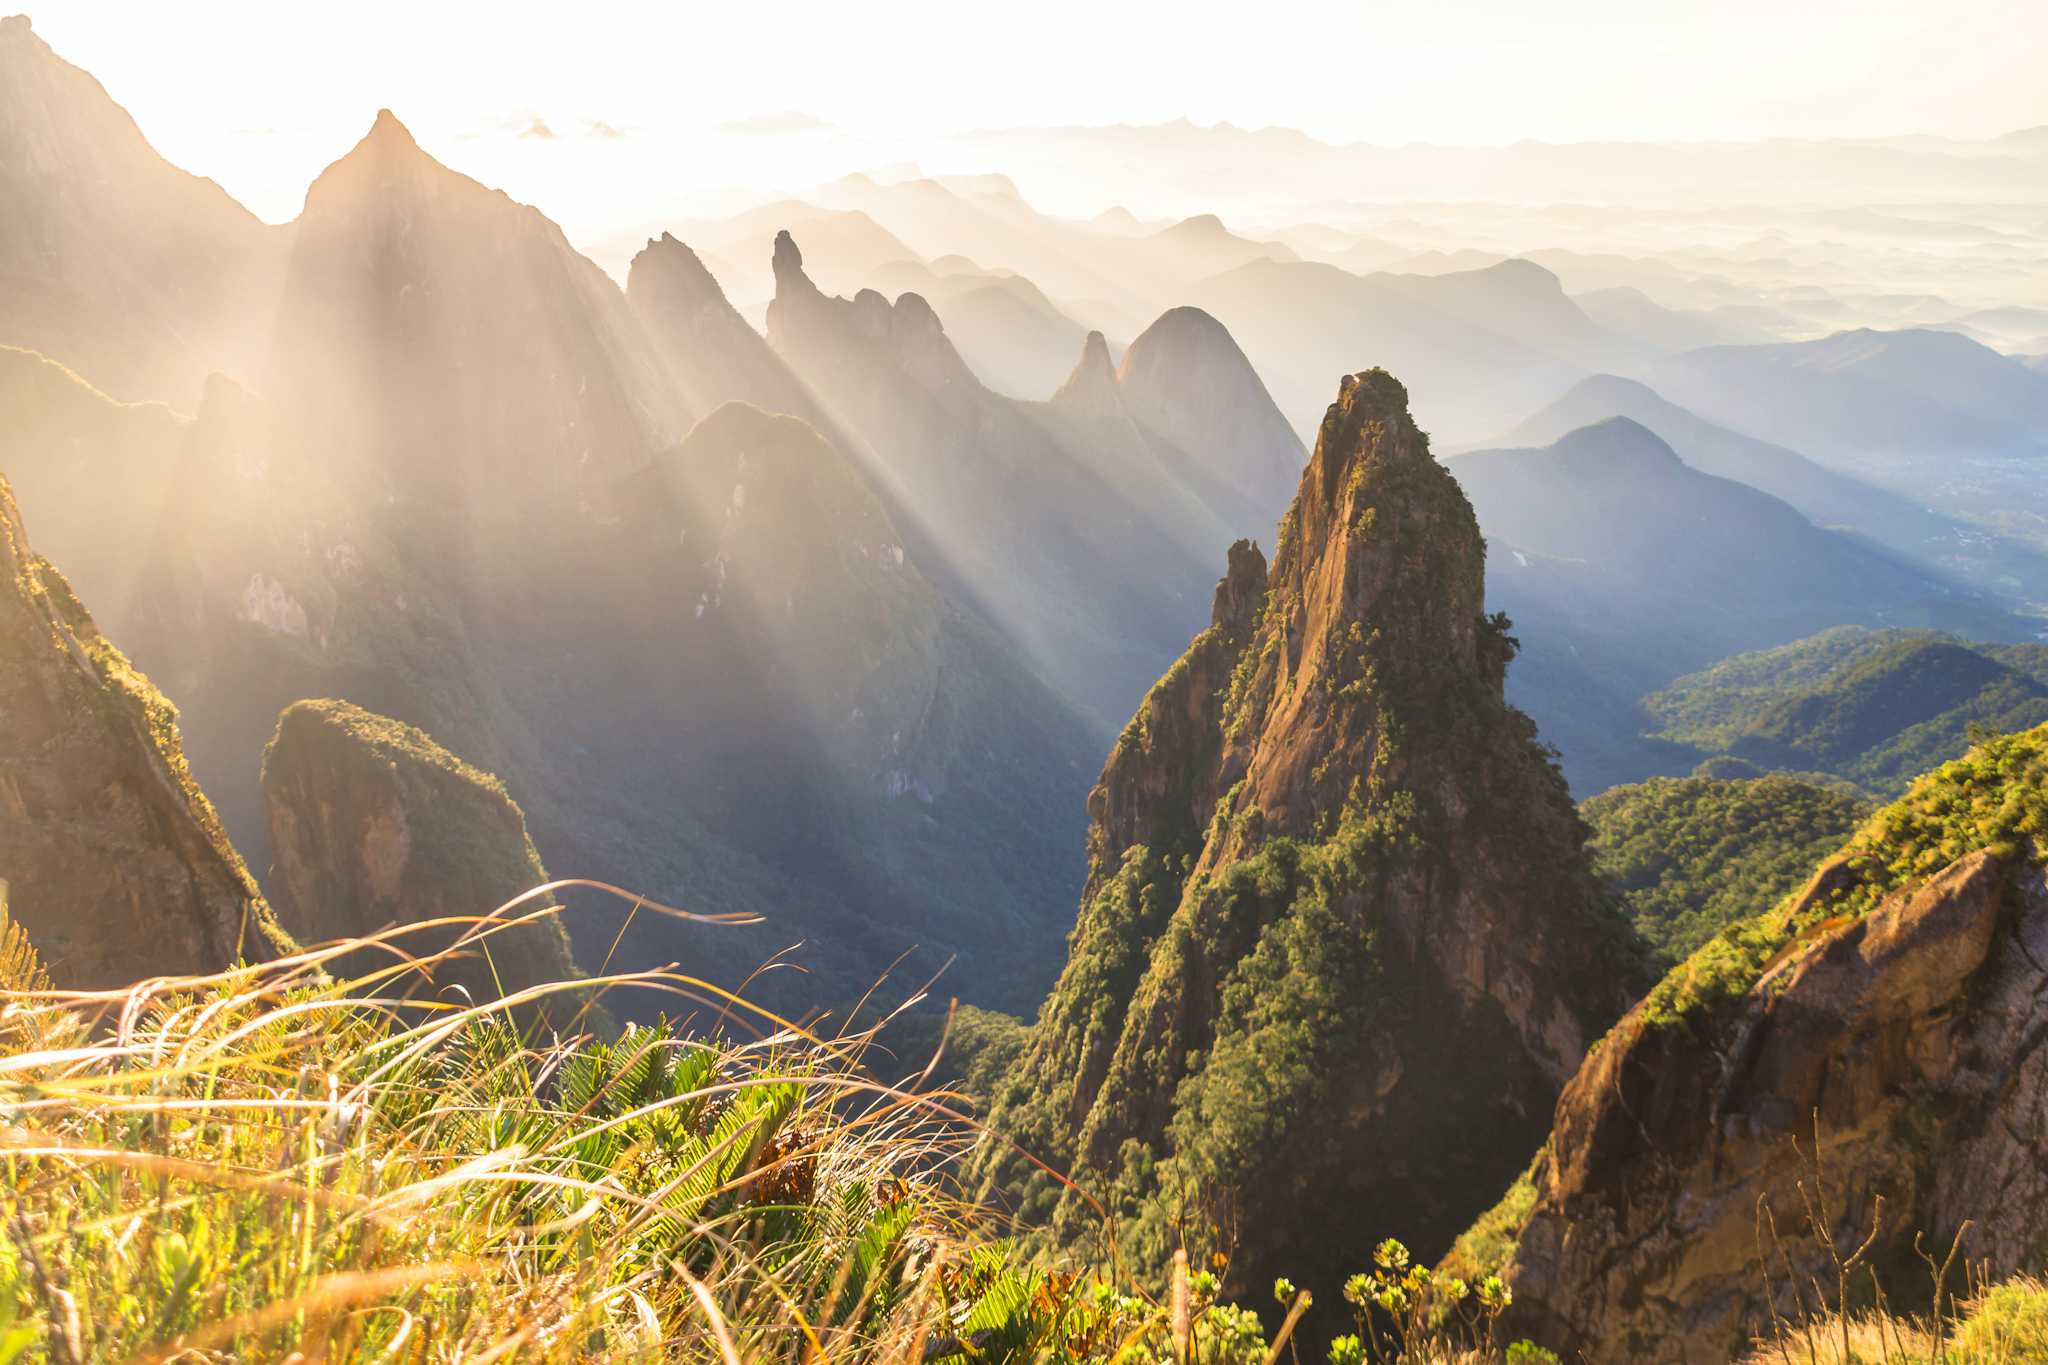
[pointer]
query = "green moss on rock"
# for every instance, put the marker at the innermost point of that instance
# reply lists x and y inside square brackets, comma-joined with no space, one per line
[374,824]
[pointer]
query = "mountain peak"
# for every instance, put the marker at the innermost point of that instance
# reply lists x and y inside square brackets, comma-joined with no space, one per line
[677,271]
[388,131]
[15,26]
[1615,444]
[1091,390]
[1201,225]
[384,156]
[789,264]
[1330,767]
[1369,420]
[1186,379]
[1180,337]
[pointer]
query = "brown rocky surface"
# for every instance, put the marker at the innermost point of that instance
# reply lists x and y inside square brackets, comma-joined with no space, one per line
[117,866]
[374,824]
[1340,944]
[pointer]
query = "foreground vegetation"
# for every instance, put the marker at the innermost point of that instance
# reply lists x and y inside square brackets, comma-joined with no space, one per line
[1993,798]
[269,1164]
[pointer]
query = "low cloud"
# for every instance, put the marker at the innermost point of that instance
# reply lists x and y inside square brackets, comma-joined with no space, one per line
[773,124]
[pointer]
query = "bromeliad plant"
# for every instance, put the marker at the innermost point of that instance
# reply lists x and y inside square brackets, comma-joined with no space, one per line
[1428,1317]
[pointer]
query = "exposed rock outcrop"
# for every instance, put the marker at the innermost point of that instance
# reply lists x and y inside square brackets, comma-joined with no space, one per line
[117,866]
[1340,944]
[373,824]
[1896,1008]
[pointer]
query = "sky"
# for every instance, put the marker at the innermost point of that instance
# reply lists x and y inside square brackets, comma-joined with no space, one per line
[568,106]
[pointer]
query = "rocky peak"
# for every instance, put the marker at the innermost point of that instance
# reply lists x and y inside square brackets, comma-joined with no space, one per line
[712,354]
[386,164]
[1186,379]
[788,263]
[372,823]
[1091,390]
[672,275]
[1327,787]
[387,132]
[1891,1011]
[1241,592]
[446,343]
[912,339]
[117,863]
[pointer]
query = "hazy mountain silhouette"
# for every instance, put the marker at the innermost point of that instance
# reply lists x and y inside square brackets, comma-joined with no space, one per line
[1200,246]
[113,261]
[1015,339]
[1627,567]
[448,344]
[1301,322]
[1076,569]
[1824,496]
[1859,394]
[1626,310]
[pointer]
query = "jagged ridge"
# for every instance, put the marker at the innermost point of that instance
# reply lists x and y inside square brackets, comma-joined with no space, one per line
[1330,868]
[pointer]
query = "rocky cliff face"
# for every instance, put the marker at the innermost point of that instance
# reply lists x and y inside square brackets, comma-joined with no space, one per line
[1340,944]
[117,866]
[373,824]
[1895,1009]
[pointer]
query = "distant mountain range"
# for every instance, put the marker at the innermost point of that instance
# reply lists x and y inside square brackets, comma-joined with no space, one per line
[1195,164]
[1828,497]
[1876,708]
[1624,566]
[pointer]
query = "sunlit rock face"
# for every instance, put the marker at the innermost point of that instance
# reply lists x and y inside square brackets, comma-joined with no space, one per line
[1875,1037]
[1341,943]
[116,865]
